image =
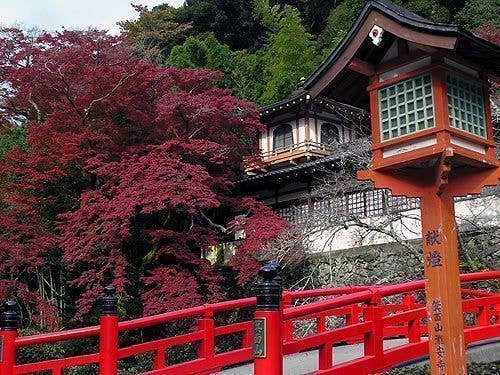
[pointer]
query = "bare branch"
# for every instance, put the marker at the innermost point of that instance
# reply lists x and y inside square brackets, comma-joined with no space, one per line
[120,83]
[37,109]
[215,225]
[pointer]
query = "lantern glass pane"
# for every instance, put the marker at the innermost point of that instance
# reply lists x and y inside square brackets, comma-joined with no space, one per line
[466,105]
[406,107]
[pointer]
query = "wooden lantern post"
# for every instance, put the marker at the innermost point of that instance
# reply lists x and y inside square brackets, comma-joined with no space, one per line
[433,139]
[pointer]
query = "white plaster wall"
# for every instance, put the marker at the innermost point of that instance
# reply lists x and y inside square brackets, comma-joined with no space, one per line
[263,142]
[483,212]
[302,130]
[312,130]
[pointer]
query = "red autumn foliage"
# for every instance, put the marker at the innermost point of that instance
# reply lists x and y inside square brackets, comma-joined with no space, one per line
[127,175]
[489,33]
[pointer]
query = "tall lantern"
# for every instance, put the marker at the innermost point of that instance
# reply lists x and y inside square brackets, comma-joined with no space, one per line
[433,139]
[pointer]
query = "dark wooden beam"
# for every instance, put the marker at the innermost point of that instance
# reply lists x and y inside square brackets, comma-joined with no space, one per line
[399,61]
[362,67]
[402,47]
[425,48]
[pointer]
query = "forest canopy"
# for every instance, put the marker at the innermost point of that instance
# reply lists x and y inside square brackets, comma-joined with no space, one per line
[264,47]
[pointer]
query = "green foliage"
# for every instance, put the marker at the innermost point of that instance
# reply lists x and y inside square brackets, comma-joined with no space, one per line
[268,14]
[243,71]
[246,78]
[202,51]
[12,138]
[155,32]
[338,24]
[430,9]
[314,13]
[264,47]
[477,13]
[290,54]
[232,22]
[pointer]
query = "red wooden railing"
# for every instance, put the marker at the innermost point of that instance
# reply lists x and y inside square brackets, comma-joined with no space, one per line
[370,317]
[382,321]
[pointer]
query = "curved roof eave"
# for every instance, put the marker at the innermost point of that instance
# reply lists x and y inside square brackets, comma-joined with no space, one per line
[403,16]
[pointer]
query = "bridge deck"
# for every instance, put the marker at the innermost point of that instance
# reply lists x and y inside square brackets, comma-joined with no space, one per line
[303,363]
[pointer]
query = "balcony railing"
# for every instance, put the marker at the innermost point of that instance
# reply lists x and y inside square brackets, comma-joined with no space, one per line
[295,151]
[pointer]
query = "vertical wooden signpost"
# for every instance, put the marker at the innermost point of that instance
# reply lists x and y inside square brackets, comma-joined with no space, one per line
[444,300]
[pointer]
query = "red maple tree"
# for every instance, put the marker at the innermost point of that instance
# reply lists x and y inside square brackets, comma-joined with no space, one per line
[489,33]
[126,177]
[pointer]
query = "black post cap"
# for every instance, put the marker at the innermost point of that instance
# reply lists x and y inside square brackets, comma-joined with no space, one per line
[9,319]
[109,305]
[269,290]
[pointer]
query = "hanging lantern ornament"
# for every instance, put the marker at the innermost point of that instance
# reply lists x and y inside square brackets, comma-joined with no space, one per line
[376,34]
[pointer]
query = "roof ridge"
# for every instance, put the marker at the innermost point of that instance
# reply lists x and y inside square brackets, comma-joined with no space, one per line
[402,11]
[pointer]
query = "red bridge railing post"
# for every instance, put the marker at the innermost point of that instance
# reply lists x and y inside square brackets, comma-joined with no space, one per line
[207,345]
[374,339]
[268,324]
[414,329]
[108,333]
[8,334]
[325,351]
[287,326]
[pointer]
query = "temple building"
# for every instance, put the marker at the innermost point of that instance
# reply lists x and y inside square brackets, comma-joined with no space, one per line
[409,75]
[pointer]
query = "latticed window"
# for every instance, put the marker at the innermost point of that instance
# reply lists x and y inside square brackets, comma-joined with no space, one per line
[466,105]
[329,134]
[296,214]
[406,107]
[356,204]
[375,201]
[336,207]
[401,203]
[282,136]
[369,203]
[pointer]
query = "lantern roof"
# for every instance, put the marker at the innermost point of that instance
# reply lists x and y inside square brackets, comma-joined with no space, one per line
[335,80]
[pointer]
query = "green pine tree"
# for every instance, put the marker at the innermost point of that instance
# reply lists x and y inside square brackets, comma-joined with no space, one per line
[289,55]
[242,70]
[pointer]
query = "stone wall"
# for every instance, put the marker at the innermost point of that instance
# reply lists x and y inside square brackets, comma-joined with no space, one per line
[395,263]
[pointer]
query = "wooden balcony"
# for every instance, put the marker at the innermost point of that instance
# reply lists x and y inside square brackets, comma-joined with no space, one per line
[290,155]
[296,151]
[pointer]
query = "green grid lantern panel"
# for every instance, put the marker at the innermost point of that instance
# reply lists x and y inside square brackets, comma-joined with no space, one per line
[466,105]
[406,107]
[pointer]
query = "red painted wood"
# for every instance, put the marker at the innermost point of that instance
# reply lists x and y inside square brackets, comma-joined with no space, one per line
[8,355]
[272,364]
[108,345]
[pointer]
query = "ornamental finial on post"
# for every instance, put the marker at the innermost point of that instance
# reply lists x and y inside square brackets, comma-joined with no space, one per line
[269,290]
[109,305]
[9,319]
